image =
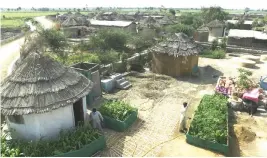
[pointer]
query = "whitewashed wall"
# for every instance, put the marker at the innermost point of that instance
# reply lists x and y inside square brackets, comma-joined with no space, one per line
[84,108]
[216,32]
[44,125]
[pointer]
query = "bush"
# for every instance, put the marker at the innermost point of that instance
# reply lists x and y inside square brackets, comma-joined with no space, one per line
[214,54]
[117,110]
[214,44]
[76,58]
[108,39]
[210,120]
[68,141]
[144,40]
[223,43]
[187,29]
[108,57]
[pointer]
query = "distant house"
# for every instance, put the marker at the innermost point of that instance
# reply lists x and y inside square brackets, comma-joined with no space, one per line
[202,34]
[42,97]
[216,28]
[127,25]
[154,16]
[247,25]
[110,16]
[177,56]
[166,20]
[247,38]
[75,26]
[148,23]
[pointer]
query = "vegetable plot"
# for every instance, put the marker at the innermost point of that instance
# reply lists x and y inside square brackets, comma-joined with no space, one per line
[68,141]
[210,120]
[117,110]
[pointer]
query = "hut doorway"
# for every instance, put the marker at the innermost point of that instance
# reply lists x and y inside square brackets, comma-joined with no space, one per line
[79,33]
[78,112]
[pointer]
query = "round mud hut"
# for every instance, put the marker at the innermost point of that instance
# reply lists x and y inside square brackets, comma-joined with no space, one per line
[42,97]
[176,56]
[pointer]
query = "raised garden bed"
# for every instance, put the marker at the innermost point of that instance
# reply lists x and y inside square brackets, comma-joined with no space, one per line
[209,128]
[87,150]
[83,141]
[118,115]
[118,125]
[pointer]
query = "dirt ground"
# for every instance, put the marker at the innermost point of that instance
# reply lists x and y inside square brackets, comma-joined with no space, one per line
[159,99]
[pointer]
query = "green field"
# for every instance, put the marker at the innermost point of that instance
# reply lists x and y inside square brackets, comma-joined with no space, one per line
[16,19]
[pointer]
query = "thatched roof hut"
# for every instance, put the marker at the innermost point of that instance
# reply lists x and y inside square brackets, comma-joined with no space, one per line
[75,20]
[216,28]
[176,56]
[166,20]
[42,92]
[215,23]
[202,34]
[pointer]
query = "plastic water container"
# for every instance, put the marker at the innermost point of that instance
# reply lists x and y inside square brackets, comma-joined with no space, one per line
[263,84]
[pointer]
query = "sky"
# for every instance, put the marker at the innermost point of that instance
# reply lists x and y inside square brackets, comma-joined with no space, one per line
[227,4]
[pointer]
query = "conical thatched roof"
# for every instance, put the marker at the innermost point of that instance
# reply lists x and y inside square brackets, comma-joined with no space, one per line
[166,20]
[40,85]
[82,21]
[215,23]
[203,29]
[149,20]
[177,45]
[70,21]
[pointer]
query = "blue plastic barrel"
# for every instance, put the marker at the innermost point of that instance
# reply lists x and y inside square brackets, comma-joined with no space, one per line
[263,84]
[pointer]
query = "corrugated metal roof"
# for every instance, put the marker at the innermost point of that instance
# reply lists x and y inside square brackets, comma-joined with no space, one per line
[247,34]
[154,16]
[110,23]
[247,22]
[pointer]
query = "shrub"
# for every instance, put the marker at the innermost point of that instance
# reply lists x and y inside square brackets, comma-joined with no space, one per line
[187,29]
[214,44]
[223,43]
[108,39]
[210,120]
[108,57]
[214,54]
[76,58]
[116,109]
[67,141]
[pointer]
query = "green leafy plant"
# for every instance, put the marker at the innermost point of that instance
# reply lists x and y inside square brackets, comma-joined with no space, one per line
[67,141]
[117,110]
[187,29]
[210,120]
[214,54]
[214,44]
[243,81]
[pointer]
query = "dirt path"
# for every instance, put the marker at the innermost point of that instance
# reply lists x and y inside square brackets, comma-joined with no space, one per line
[10,51]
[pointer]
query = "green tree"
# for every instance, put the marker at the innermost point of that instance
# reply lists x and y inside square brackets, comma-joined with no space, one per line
[193,19]
[187,29]
[213,13]
[44,40]
[107,39]
[172,11]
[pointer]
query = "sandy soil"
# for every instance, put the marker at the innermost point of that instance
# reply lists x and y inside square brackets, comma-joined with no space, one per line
[241,144]
[159,99]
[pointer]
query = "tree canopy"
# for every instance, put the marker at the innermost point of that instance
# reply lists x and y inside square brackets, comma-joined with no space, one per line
[172,11]
[213,13]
